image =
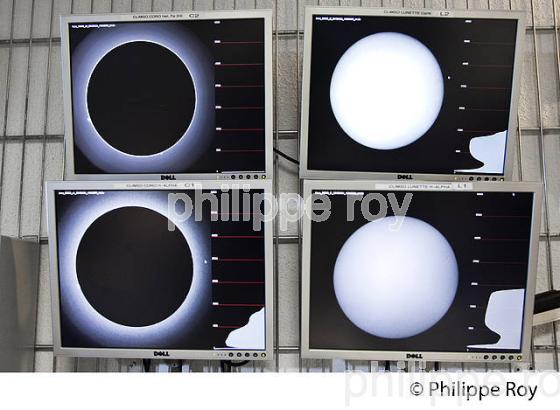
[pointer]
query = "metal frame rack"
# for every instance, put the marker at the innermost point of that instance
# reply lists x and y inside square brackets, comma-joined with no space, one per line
[31,151]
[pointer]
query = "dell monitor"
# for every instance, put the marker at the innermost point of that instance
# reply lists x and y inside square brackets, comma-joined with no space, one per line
[179,270]
[410,94]
[419,271]
[178,95]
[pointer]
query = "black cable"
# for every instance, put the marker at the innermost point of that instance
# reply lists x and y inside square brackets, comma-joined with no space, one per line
[436,366]
[238,364]
[147,363]
[285,156]
[226,365]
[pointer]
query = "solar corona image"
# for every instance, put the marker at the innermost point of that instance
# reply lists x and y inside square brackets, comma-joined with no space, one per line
[155,96]
[133,274]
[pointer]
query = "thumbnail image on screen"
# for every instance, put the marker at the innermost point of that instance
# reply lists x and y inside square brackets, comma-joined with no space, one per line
[134,274]
[450,276]
[410,94]
[158,97]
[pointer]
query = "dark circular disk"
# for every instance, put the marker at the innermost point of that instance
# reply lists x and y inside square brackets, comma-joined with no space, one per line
[141,98]
[132,269]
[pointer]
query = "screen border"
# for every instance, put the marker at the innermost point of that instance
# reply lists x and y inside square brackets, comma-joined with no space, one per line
[525,354]
[65,21]
[512,135]
[59,350]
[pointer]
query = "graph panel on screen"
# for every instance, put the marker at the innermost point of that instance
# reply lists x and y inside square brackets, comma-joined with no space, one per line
[153,270]
[446,273]
[415,94]
[182,94]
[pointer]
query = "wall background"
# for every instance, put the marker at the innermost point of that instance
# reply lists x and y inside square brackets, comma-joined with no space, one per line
[31,136]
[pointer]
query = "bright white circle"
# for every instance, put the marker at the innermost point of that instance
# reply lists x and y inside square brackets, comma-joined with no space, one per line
[395,283]
[386,90]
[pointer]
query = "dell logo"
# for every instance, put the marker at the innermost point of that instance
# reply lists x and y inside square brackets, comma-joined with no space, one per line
[404,176]
[161,354]
[168,178]
[414,356]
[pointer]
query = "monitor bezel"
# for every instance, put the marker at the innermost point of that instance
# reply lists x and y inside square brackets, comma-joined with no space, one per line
[381,185]
[65,21]
[125,353]
[512,135]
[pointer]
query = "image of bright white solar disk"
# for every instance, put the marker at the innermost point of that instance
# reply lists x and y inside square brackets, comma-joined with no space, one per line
[450,275]
[386,91]
[389,95]
[132,273]
[150,96]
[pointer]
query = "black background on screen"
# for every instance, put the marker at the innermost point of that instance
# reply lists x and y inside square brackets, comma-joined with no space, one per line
[452,214]
[206,31]
[329,148]
[204,336]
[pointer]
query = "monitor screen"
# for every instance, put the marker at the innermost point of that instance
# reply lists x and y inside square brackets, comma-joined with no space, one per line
[168,94]
[415,94]
[178,270]
[421,271]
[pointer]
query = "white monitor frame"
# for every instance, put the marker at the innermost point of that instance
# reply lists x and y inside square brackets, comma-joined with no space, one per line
[223,354]
[264,14]
[525,354]
[310,12]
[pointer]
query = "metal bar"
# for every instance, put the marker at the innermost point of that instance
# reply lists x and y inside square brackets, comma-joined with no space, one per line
[281,34]
[44,144]
[276,193]
[292,349]
[6,106]
[283,134]
[294,239]
[25,118]
[31,137]
[543,174]
[298,234]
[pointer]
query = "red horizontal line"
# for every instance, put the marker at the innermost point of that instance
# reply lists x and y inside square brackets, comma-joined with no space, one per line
[239,260]
[488,66]
[499,263]
[504,216]
[497,43]
[226,327]
[239,305]
[239,64]
[238,237]
[238,213]
[486,88]
[494,285]
[491,43]
[241,129]
[241,108]
[476,131]
[486,109]
[240,86]
[502,240]
[239,42]
[239,282]
[242,150]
